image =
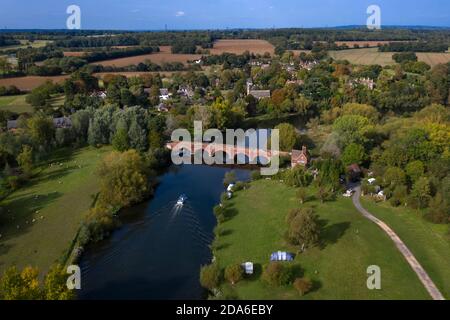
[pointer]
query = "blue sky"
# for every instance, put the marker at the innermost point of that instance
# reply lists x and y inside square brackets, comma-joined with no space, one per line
[211,14]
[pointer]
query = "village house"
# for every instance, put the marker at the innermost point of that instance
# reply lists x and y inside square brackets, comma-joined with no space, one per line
[367,82]
[258,94]
[300,157]
[186,91]
[99,94]
[61,122]
[162,107]
[308,65]
[164,94]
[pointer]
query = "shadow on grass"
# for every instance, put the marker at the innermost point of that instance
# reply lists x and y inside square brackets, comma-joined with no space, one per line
[226,232]
[21,210]
[330,234]
[257,272]
[221,246]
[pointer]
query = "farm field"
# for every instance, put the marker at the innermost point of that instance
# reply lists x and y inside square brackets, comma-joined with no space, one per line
[239,46]
[372,56]
[28,83]
[164,56]
[73,53]
[43,217]
[427,241]
[349,244]
[371,44]
[15,104]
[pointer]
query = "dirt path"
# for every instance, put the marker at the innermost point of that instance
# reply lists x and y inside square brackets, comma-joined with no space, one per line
[415,265]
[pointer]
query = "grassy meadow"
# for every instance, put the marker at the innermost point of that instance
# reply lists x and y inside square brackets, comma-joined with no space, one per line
[41,219]
[349,244]
[428,242]
[367,56]
[15,104]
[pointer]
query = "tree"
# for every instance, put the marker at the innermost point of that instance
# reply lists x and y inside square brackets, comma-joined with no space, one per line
[137,135]
[302,195]
[297,177]
[210,276]
[323,193]
[234,273]
[25,159]
[393,176]
[439,210]
[304,229]
[124,179]
[41,129]
[80,124]
[420,193]
[120,140]
[230,177]
[350,128]
[288,136]
[303,285]
[353,153]
[404,57]
[363,110]
[415,170]
[24,285]
[55,287]
[399,196]
[277,274]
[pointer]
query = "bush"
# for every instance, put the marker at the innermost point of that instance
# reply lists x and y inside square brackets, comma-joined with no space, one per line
[219,212]
[240,185]
[210,276]
[277,274]
[304,228]
[303,285]
[234,273]
[255,175]
[13,182]
[98,223]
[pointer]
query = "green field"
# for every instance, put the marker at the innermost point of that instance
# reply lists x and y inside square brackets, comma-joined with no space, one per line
[56,200]
[25,44]
[15,104]
[427,241]
[368,56]
[349,244]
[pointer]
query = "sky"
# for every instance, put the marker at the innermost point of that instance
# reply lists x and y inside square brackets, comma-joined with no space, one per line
[219,14]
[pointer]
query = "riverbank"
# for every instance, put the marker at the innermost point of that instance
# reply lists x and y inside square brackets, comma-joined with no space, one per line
[337,267]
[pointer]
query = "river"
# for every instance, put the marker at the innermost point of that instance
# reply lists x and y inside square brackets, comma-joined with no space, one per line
[158,250]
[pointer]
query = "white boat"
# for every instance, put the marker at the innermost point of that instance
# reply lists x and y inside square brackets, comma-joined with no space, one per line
[181,200]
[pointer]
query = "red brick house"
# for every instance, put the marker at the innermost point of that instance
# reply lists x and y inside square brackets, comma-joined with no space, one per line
[299,157]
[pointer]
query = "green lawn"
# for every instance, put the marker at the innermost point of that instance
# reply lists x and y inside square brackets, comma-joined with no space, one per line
[56,199]
[15,104]
[427,241]
[350,244]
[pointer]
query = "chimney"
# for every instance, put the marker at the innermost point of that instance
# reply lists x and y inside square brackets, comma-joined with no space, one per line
[304,150]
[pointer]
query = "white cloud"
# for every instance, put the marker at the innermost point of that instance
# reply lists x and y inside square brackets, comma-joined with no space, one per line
[180,13]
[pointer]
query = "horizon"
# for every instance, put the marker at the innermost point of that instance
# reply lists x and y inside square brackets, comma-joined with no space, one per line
[147,15]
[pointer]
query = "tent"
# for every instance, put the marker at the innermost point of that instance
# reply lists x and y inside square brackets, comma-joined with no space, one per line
[281,256]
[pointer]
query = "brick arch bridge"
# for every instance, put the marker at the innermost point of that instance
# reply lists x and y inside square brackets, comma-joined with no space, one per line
[231,151]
